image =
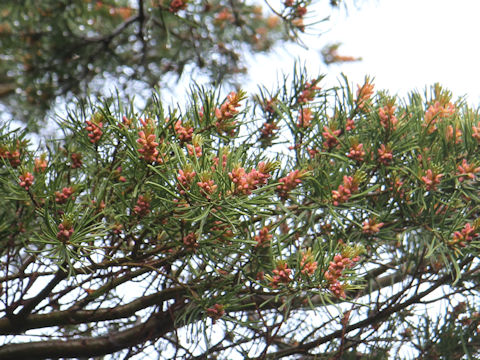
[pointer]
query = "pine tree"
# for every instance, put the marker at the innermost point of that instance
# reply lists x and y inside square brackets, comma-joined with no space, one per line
[301,222]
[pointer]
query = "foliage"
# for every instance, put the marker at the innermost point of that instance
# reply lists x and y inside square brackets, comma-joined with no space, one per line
[307,222]
[54,49]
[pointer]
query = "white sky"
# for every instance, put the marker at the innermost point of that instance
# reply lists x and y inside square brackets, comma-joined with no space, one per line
[405,45]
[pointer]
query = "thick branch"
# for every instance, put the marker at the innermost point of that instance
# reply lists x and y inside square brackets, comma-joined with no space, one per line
[158,325]
[7,88]
[68,317]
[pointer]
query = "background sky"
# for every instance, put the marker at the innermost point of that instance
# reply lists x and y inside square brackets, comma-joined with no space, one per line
[404,44]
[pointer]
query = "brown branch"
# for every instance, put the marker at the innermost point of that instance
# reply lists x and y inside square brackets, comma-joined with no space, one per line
[117,31]
[69,317]
[156,326]
[7,89]
[33,302]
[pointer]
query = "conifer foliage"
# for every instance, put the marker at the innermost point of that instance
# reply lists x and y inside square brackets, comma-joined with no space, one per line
[58,48]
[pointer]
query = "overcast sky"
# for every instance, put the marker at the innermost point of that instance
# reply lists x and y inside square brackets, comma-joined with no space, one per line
[405,45]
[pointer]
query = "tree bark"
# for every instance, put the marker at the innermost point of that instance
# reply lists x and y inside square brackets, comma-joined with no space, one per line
[157,325]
